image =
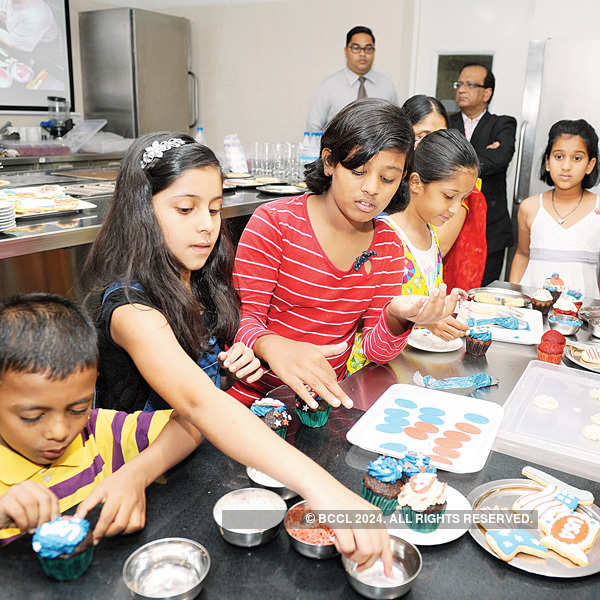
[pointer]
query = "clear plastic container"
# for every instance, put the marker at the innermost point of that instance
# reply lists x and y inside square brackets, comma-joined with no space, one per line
[552,438]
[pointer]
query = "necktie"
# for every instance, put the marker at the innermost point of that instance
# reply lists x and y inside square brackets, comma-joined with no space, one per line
[362,93]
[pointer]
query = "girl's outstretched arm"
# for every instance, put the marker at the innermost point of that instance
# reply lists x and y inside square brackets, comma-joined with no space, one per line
[525,217]
[149,340]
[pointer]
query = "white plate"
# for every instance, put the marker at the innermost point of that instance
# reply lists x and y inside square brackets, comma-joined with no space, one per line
[572,357]
[281,190]
[455,501]
[423,339]
[467,427]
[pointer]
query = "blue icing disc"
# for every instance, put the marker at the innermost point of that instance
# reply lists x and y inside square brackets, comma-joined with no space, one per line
[431,419]
[475,418]
[397,421]
[394,446]
[404,403]
[434,412]
[390,428]
[396,411]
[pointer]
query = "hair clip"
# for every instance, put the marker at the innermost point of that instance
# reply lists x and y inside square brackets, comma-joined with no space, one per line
[157,149]
[362,259]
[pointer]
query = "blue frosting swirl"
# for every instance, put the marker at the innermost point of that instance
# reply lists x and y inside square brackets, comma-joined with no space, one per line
[60,536]
[385,468]
[415,462]
[261,411]
[576,295]
[480,333]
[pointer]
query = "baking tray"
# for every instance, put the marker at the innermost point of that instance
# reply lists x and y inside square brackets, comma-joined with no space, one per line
[103,174]
[552,438]
[501,294]
[81,205]
[503,492]
[456,431]
[573,355]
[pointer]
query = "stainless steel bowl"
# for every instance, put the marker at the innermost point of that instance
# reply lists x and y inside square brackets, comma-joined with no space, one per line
[318,551]
[595,327]
[260,513]
[565,324]
[261,480]
[406,559]
[167,569]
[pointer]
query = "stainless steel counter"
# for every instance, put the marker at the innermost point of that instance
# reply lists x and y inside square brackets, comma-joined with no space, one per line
[59,161]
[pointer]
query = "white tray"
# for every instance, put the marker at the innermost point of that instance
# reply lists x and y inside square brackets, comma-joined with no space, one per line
[552,438]
[478,310]
[388,427]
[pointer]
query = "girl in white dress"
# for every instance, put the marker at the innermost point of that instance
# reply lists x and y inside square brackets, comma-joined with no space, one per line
[559,230]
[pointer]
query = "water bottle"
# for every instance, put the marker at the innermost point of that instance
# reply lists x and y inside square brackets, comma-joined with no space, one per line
[315,145]
[199,137]
[304,155]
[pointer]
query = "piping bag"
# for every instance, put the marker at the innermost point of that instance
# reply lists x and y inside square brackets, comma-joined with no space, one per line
[469,382]
[505,322]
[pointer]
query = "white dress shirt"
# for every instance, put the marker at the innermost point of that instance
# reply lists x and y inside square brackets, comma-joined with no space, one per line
[470,124]
[342,88]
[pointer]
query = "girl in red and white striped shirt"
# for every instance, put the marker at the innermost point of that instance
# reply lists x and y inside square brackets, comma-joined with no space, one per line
[310,269]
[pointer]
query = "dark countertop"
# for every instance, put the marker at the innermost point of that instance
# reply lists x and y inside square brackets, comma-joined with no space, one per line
[183,508]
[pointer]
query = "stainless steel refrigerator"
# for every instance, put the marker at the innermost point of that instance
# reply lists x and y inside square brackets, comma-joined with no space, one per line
[135,67]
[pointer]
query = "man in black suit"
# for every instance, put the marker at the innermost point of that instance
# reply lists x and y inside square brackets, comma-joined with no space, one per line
[493,137]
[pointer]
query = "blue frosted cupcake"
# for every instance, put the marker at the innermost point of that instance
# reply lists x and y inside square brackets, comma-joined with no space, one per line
[273,413]
[415,462]
[478,340]
[64,547]
[382,483]
[313,417]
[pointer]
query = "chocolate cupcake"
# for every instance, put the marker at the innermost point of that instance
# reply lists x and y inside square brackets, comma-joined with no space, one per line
[423,502]
[478,340]
[542,300]
[313,417]
[273,413]
[382,483]
[64,547]
[555,285]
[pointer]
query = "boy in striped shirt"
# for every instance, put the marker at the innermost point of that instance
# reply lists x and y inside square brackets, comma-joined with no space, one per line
[55,452]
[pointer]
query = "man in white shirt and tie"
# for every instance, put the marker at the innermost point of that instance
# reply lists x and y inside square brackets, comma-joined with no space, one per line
[355,81]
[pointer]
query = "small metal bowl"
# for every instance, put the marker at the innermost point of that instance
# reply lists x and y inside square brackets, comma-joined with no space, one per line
[264,510]
[169,569]
[262,480]
[565,324]
[318,551]
[595,327]
[406,559]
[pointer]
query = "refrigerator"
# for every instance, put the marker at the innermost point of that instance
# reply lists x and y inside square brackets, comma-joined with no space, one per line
[135,67]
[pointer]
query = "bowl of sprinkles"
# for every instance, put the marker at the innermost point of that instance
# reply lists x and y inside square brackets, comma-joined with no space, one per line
[311,539]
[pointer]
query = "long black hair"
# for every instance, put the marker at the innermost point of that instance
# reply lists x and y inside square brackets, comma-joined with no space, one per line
[437,157]
[356,134]
[419,106]
[130,247]
[587,133]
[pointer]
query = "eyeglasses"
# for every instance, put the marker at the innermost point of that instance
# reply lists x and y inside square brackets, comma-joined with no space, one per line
[356,49]
[468,84]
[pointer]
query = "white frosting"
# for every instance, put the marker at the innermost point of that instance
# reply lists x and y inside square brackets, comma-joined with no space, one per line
[546,402]
[422,491]
[595,419]
[591,432]
[595,393]
[543,295]
[565,303]
[375,576]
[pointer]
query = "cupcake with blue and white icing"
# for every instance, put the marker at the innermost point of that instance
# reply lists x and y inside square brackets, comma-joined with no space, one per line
[478,340]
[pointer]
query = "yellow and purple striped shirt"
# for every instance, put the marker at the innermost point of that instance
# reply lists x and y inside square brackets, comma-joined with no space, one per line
[106,443]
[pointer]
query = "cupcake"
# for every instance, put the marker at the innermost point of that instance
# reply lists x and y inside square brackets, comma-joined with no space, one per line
[542,300]
[313,417]
[64,547]
[478,340]
[565,306]
[550,352]
[382,483]
[423,502]
[556,337]
[577,297]
[273,413]
[415,462]
[555,285]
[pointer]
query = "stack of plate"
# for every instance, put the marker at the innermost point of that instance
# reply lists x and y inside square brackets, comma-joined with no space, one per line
[7,216]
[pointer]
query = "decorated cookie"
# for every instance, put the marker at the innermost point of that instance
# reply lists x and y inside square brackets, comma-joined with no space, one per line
[550,503]
[507,543]
[545,402]
[591,356]
[572,536]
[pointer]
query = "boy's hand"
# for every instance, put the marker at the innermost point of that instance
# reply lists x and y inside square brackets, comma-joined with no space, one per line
[240,361]
[27,505]
[123,495]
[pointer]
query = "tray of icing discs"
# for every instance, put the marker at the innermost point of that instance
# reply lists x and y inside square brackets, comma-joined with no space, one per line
[567,527]
[552,417]
[512,324]
[457,432]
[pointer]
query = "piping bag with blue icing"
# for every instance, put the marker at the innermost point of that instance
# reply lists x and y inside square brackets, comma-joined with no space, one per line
[505,322]
[479,380]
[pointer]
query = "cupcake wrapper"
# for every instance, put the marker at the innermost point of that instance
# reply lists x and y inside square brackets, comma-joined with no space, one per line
[569,313]
[421,521]
[549,358]
[281,432]
[477,347]
[387,505]
[543,307]
[555,295]
[317,418]
[66,569]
